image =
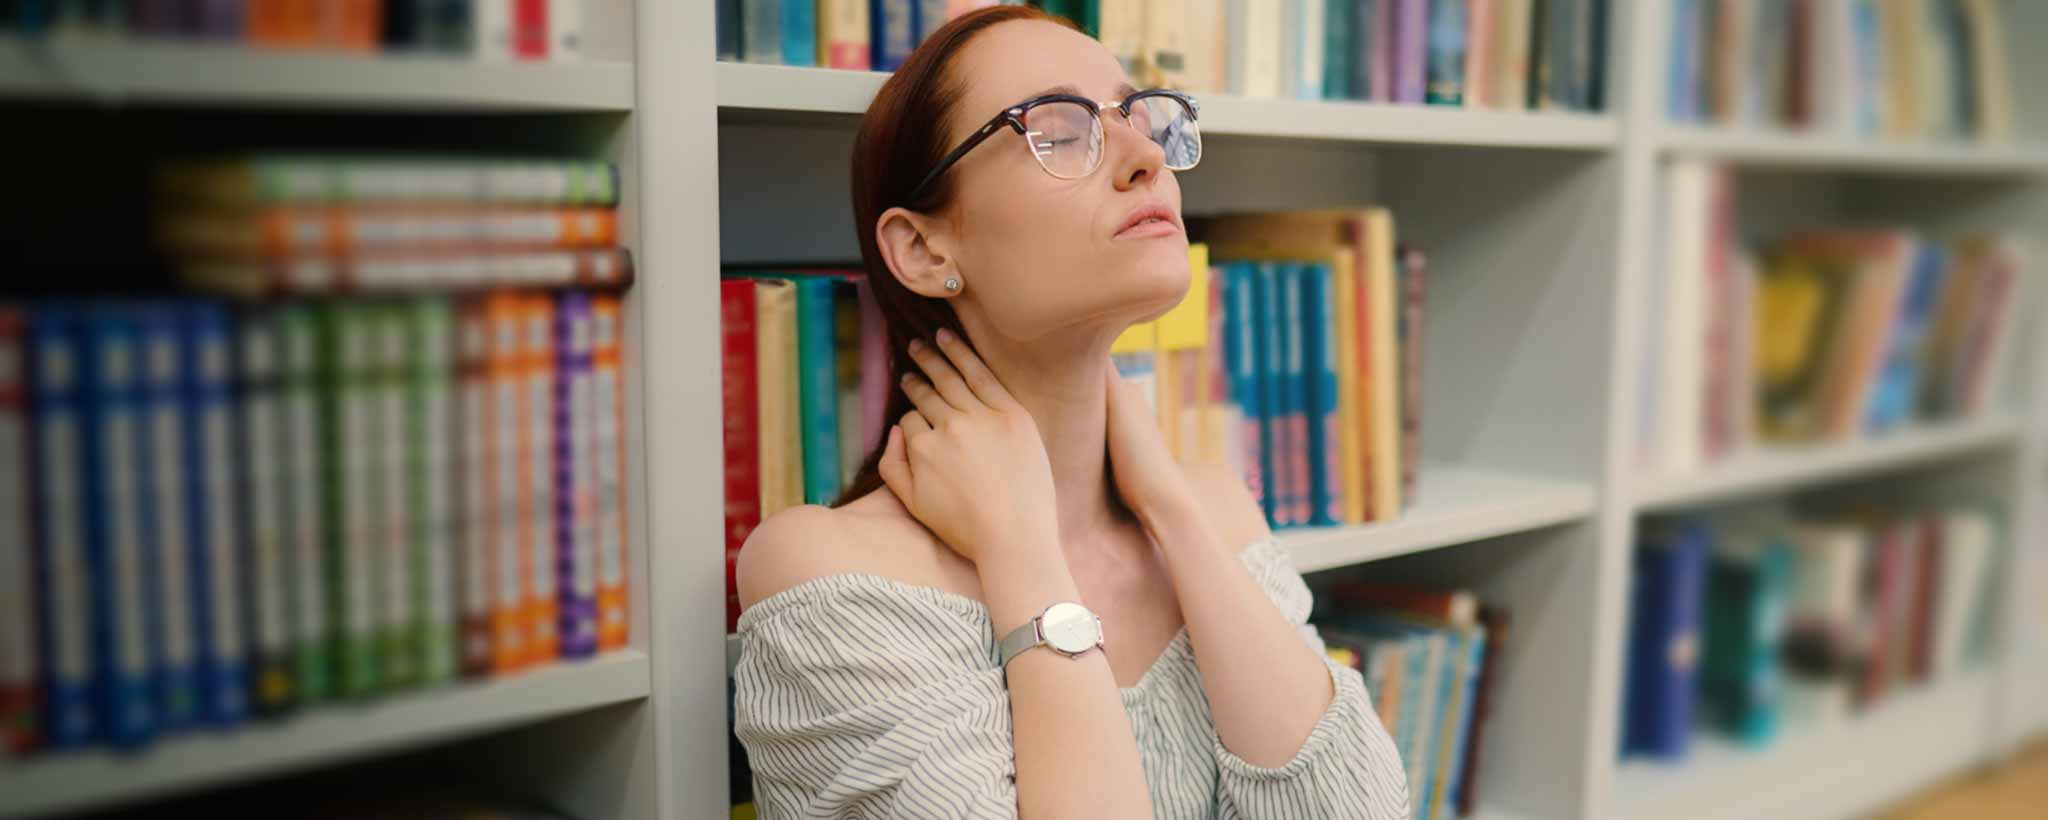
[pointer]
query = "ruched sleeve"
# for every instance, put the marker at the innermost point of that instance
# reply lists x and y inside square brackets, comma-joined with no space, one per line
[1348,767]
[858,697]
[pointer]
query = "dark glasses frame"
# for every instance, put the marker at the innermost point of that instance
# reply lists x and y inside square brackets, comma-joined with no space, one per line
[1014,118]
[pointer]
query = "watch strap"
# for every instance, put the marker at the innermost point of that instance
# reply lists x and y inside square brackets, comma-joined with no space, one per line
[1020,640]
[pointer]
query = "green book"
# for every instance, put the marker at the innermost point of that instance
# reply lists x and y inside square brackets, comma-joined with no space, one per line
[393,531]
[306,513]
[349,443]
[1748,586]
[430,431]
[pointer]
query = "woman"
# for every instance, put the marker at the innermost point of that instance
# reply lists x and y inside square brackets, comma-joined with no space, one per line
[1024,606]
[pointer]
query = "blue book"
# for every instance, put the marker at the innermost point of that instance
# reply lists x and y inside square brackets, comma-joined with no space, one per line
[1338,53]
[65,619]
[1461,736]
[892,32]
[1325,467]
[931,14]
[1445,74]
[1241,362]
[168,487]
[214,505]
[1422,656]
[1668,582]
[1272,375]
[1682,92]
[819,390]
[726,16]
[1294,395]
[799,32]
[118,543]
[1364,17]
[1898,379]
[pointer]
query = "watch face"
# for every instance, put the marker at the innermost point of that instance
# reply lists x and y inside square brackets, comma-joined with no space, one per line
[1070,628]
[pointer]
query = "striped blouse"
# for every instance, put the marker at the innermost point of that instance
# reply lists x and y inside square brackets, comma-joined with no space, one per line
[840,722]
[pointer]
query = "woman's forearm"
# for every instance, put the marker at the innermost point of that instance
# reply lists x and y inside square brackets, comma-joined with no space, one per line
[1266,688]
[1076,756]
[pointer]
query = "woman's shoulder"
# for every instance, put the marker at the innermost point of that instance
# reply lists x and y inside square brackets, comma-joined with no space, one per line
[871,536]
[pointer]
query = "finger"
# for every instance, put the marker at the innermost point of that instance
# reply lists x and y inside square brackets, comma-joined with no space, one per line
[927,400]
[942,375]
[974,371]
[913,423]
[895,466]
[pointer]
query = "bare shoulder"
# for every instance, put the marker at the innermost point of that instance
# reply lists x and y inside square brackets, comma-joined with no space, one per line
[872,535]
[1222,494]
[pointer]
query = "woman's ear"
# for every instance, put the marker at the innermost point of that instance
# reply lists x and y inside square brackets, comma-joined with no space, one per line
[914,246]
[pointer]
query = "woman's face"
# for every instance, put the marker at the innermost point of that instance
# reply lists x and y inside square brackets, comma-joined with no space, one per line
[1039,254]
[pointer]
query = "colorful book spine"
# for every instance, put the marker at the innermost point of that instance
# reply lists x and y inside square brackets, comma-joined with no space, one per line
[819,392]
[608,391]
[118,534]
[1445,80]
[740,394]
[180,558]
[1664,631]
[1241,363]
[799,32]
[273,682]
[1319,370]
[1480,29]
[313,230]
[1272,381]
[846,358]
[474,477]
[1346,282]
[19,669]
[351,454]
[782,464]
[1338,50]
[1409,46]
[1414,286]
[398,616]
[1386,408]
[529,29]
[490,30]
[506,421]
[216,518]
[537,457]
[575,474]
[307,470]
[894,32]
[67,615]
[843,34]
[432,459]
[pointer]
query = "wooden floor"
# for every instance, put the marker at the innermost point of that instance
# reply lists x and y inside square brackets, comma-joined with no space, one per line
[2015,790]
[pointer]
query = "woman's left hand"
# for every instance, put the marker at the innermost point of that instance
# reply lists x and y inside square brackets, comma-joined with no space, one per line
[1147,476]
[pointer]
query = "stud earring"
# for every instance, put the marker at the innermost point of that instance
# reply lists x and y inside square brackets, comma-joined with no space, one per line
[953,284]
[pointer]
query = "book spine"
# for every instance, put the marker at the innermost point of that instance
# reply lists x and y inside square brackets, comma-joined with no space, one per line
[478,511]
[1305,39]
[178,595]
[391,528]
[267,586]
[491,30]
[434,452]
[529,29]
[306,485]
[742,431]
[1409,43]
[1272,378]
[214,499]
[726,16]
[1294,398]
[1242,367]
[1338,50]
[575,474]
[608,412]
[782,465]
[537,455]
[1386,410]
[565,30]
[19,621]
[1414,286]
[1325,451]
[505,418]
[351,453]
[846,358]
[799,32]
[1480,30]
[819,393]
[1168,46]
[1445,81]
[893,27]
[66,615]
[294,231]
[119,545]
[843,36]
[761,31]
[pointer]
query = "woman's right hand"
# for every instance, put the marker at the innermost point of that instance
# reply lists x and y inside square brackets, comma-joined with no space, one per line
[968,462]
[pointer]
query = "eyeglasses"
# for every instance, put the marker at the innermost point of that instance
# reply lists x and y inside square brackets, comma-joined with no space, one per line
[1065,132]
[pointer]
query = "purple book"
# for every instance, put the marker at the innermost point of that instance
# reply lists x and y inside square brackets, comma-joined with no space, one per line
[159,17]
[1411,27]
[215,19]
[575,477]
[1382,47]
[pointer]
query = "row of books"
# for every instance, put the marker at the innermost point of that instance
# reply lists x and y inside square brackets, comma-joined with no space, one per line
[485,29]
[224,511]
[1431,660]
[287,225]
[1820,335]
[1900,69]
[1513,54]
[1749,622]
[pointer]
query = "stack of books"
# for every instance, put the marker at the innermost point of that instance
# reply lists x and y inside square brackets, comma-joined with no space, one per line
[342,484]
[1496,54]
[1742,624]
[485,29]
[1431,660]
[1899,69]
[1823,335]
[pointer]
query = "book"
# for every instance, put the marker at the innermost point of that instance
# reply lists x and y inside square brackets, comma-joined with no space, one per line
[176,568]
[892,30]
[1456,608]
[1373,230]
[511,550]
[287,179]
[215,504]
[846,366]
[1967,539]
[1896,390]
[307,473]
[1480,29]
[1414,273]
[433,434]
[781,412]
[406,272]
[565,30]
[799,27]
[1275,441]
[529,29]
[1168,44]
[1689,192]
[119,543]
[391,528]
[66,611]
[1243,365]
[538,466]
[726,18]
[1465,789]
[1444,65]
[1319,371]
[1468,652]
[1663,650]
[1510,59]
[19,667]
[351,450]
[1351,444]
[575,495]
[1122,32]
[818,389]
[1990,81]
[761,30]
[1748,579]
[608,419]
[1337,49]
[1408,42]
[261,437]
[1253,38]
[843,34]
[1822,647]
[290,230]
[1302,53]
[474,474]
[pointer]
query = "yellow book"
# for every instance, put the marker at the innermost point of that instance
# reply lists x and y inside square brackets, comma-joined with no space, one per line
[1349,433]
[1385,407]
[1121,28]
[782,460]
[1166,43]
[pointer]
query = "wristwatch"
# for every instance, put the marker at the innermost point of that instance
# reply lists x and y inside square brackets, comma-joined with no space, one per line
[1066,627]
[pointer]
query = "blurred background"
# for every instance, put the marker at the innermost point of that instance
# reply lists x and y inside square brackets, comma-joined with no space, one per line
[1651,392]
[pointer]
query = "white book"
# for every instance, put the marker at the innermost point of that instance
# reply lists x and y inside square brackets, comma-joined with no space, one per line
[565,30]
[1305,56]
[1254,34]
[1689,189]
[1989,70]
[491,26]
[1510,61]
[1966,544]
[1827,588]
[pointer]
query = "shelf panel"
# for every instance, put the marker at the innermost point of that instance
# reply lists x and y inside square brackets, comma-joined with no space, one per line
[1454,505]
[1843,770]
[1785,149]
[334,733]
[819,91]
[117,70]
[1767,469]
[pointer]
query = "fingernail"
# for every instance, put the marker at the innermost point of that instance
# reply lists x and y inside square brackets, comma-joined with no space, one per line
[945,336]
[917,345]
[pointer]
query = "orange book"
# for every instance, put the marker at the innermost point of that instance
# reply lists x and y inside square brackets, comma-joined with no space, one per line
[607,370]
[361,25]
[537,454]
[295,230]
[504,416]
[474,471]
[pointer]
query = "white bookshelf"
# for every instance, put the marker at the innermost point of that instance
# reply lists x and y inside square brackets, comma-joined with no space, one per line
[1766,469]
[1779,149]
[1454,505]
[324,735]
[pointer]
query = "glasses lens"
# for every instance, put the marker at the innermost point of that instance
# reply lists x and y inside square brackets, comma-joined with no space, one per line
[1066,138]
[1166,121]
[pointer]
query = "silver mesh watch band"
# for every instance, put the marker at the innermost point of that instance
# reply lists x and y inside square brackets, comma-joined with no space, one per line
[1020,640]
[1074,629]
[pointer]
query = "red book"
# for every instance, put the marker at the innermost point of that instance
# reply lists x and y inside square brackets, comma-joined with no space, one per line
[1414,272]
[742,430]
[17,614]
[1456,607]
[530,29]
[1920,661]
